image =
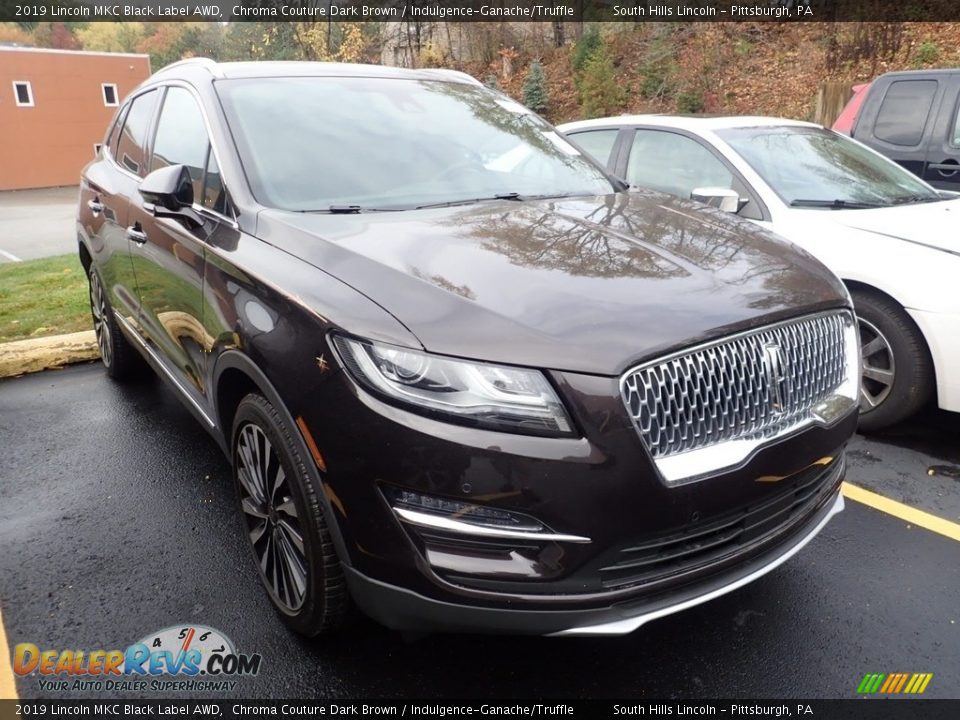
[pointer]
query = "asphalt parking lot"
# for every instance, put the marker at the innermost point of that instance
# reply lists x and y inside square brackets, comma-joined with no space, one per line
[37,223]
[117,519]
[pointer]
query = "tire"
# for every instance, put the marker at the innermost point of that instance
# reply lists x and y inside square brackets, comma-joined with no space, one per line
[898,378]
[286,529]
[120,359]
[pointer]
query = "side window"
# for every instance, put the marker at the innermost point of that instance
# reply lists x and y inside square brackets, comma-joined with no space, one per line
[182,137]
[674,164]
[956,129]
[903,113]
[131,150]
[214,194]
[598,143]
[114,137]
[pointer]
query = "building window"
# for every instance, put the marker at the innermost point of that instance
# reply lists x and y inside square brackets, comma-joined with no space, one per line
[96,149]
[109,94]
[23,93]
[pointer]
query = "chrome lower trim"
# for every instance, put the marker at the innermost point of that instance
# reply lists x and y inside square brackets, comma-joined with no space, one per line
[159,363]
[437,522]
[628,625]
[725,456]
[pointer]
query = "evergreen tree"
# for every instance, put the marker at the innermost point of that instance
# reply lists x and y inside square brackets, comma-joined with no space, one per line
[535,88]
[600,93]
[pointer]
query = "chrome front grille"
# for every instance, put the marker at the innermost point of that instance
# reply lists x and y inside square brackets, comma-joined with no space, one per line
[731,395]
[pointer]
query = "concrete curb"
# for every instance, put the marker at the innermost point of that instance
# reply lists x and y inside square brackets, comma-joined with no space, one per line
[27,356]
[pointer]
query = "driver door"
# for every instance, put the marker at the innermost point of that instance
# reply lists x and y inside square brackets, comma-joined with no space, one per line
[169,254]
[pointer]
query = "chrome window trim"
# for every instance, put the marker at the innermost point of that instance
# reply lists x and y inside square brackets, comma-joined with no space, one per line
[162,86]
[726,455]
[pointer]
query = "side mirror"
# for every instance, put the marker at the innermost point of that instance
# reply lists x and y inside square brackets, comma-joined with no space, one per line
[168,192]
[723,199]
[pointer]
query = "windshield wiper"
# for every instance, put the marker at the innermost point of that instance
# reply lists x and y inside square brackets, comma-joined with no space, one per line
[347,210]
[499,196]
[836,204]
[471,201]
[911,199]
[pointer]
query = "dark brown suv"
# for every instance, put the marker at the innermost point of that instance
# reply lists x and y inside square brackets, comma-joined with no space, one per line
[465,380]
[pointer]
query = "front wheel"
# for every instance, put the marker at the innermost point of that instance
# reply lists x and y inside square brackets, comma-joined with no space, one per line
[284,522]
[898,377]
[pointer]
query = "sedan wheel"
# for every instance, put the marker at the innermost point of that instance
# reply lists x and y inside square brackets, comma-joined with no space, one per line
[898,377]
[879,366]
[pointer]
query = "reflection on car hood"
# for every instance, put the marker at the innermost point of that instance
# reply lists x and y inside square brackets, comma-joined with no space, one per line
[935,225]
[590,285]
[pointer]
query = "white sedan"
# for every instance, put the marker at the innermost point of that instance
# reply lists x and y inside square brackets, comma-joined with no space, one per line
[893,239]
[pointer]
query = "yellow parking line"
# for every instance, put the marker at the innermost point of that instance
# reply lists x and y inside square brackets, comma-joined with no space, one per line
[8,688]
[912,515]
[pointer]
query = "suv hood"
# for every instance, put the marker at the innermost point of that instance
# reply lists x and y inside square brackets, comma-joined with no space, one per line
[589,285]
[931,224]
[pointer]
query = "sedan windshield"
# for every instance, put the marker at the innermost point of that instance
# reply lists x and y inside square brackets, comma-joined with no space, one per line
[817,168]
[339,144]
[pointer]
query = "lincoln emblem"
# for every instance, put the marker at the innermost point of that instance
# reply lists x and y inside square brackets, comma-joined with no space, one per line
[775,365]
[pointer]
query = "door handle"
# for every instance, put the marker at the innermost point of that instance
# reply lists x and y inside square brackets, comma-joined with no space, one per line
[136,233]
[945,167]
[96,207]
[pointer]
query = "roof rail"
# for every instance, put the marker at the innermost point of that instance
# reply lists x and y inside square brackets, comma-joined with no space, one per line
[211,65]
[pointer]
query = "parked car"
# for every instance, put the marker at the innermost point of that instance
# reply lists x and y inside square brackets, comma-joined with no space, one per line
[465,381]
[912,117]
[891,237]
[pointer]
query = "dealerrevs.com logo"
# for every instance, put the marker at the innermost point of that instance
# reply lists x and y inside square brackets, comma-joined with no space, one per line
[178,658]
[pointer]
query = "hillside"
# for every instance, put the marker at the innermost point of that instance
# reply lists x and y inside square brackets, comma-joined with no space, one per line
[728,68]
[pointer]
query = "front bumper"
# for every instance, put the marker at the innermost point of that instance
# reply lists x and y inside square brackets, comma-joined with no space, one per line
[406,610]
[625,546]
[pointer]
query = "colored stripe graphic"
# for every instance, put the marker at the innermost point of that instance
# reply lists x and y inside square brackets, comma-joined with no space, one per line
[894,683]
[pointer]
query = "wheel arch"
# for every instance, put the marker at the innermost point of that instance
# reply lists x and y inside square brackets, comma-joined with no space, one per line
[858,285]
[235,376]
[853,285]
[86,257]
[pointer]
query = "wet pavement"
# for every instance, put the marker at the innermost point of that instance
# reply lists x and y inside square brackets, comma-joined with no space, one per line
[117,519]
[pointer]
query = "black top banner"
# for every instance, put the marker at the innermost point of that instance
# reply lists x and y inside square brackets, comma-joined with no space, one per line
[483,709]
[413,11]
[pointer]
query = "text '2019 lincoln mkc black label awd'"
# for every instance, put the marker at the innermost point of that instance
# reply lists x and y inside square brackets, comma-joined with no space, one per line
[465,380]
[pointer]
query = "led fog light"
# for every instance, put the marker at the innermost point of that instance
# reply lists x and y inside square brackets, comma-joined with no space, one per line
[464,518]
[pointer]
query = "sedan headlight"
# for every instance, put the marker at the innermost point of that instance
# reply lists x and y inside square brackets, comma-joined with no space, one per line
[495,397]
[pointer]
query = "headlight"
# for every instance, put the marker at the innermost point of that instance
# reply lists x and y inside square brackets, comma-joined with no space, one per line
[489,396]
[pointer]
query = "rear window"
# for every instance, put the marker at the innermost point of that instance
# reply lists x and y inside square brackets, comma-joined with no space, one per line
[903,113]
[956,128]
[131,152]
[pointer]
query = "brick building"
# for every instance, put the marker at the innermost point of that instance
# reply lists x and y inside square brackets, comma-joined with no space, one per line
[54,109]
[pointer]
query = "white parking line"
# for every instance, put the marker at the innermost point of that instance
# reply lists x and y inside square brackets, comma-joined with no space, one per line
[10,256]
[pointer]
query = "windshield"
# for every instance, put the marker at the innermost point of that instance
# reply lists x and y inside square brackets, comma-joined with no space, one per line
[813,167]
[352,144]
